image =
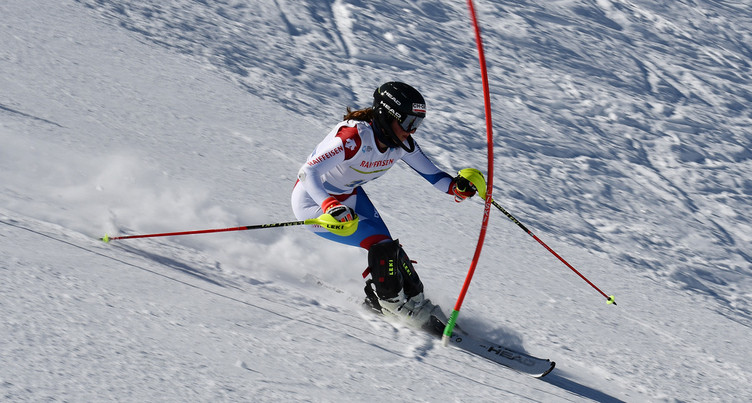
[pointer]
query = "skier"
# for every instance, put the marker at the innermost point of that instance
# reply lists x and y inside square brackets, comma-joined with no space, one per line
[362,147]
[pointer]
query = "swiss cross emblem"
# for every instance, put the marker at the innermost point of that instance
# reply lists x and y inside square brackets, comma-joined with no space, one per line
[350,144]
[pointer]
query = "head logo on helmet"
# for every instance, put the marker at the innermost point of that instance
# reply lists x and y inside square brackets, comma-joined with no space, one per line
[397,101]
[391,110]
[392,97]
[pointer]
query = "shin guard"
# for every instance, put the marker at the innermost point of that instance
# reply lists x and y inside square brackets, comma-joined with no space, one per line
[392,271]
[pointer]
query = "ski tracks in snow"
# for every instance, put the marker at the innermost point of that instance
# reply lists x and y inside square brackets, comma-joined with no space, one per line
[243,311]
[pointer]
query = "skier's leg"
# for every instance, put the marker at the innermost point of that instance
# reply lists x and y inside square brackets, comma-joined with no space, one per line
[398,288]
[397,285]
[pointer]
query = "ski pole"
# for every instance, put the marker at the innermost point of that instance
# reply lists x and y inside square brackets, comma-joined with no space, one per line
[610,299]
[324,220]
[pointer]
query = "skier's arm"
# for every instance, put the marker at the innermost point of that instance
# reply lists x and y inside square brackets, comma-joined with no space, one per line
[428,170]
[458,186]
[326,157]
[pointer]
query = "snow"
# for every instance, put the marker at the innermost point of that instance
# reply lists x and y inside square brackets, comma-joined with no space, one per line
[622,139]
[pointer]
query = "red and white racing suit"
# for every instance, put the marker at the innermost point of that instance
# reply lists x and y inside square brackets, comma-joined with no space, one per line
[347,158]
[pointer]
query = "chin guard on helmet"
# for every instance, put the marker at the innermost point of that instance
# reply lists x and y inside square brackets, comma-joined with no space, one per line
[386,135]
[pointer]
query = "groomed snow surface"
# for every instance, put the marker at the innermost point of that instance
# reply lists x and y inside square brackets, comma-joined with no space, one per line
[622,139]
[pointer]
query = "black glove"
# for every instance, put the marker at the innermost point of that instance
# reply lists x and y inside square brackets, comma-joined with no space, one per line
[341,213]
[461,188]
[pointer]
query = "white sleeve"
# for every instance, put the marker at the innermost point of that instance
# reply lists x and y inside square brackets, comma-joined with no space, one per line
[327,155]
[428,170]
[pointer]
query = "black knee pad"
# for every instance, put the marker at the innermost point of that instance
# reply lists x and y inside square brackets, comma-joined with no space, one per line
[392,271]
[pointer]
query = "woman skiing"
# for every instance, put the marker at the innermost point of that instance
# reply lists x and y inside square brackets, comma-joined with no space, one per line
[366,144]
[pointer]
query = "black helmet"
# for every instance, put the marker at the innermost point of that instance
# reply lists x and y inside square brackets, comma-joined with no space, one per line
[395,100]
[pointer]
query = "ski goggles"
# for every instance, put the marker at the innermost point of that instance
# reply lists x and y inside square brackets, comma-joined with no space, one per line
[410,123]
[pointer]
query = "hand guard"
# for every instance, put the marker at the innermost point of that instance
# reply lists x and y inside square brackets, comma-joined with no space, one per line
[461,188]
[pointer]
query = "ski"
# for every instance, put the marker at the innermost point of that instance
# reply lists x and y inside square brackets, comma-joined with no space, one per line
[518,361]
[508,357]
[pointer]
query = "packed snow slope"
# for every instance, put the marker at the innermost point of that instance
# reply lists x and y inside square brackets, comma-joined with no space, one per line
[622,139]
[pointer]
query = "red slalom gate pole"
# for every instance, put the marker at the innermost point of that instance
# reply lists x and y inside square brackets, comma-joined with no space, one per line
[489,185]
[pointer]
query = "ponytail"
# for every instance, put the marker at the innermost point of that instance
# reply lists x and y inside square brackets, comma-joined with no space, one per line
[364,115]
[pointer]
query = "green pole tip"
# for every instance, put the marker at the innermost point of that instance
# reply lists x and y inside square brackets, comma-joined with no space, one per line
[449,328]
[611,300]
[106,238]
